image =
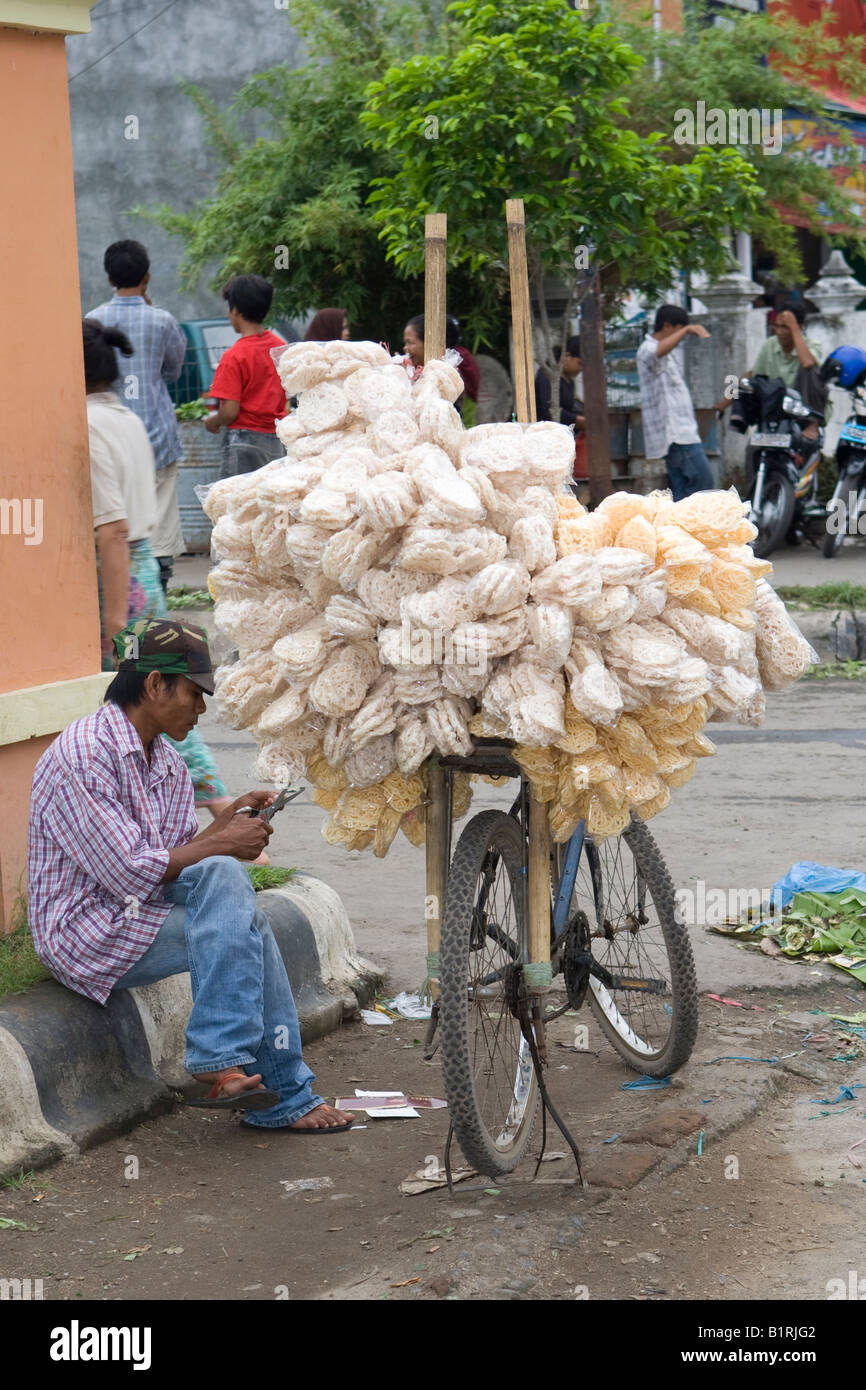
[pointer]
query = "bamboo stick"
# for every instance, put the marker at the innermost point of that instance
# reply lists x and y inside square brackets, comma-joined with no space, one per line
[521,318]
[438,817]
[435,240]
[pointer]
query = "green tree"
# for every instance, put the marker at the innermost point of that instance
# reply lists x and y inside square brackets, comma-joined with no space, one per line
[722,66]
[529,103]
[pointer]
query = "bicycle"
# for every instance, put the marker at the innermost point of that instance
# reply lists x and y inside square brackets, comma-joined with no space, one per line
[612,931]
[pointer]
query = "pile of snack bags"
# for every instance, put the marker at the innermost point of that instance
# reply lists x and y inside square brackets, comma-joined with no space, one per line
[398,586]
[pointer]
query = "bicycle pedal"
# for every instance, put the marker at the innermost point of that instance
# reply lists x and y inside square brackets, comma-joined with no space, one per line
[636,984]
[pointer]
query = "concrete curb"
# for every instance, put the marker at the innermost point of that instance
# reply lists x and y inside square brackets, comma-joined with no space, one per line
[837,634]
[72,1073]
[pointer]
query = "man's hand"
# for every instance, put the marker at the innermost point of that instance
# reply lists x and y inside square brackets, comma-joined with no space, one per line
[212,423]
[698,330]
[786,319]
[254,800]
[243,838]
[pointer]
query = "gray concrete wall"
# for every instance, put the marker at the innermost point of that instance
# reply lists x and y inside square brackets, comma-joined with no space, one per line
[216,44]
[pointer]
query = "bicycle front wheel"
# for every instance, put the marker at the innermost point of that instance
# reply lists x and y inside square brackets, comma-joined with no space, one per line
[487,1064]
[625,910]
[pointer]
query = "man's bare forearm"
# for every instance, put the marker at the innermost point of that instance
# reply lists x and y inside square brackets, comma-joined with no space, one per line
[802,349]
[205,844]
[666,345]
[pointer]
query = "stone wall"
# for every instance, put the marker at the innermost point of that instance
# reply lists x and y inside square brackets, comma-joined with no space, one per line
[138,140]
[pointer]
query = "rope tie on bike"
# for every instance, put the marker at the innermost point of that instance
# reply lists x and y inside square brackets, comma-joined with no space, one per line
[538,975]
[433,965]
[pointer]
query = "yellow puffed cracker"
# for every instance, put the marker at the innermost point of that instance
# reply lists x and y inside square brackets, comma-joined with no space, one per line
[742,618]
[679,778]
[386,828]
[564,820]
[576,534]
[612,793]
[360,807]
[402,793]
[648,809]
[739,555]
[641,787]
[360,839]
[628,741]
[638,533]
[321,774]
[732,584]
[701,600]
[619,508]
[600,822]
[326,799]
[413,826]
[684,579]
[699,746]
[580,735]
[461,795]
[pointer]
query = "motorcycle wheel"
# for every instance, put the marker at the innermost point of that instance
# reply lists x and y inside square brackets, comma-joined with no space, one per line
[832,542]
[776,515]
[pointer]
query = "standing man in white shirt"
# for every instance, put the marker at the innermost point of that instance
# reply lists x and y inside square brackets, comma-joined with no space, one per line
[670,429]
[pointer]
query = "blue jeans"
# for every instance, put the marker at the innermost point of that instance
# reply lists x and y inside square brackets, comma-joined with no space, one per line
[243,1014]
[688,470]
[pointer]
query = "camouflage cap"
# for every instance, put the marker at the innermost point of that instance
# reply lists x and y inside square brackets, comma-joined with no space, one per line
[173,649]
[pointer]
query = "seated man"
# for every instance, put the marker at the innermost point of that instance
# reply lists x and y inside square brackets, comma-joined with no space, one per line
[124,889]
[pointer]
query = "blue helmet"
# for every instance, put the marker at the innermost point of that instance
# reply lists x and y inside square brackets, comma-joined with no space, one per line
[846,366]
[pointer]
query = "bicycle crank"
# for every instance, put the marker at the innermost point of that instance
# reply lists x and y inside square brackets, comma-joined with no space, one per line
[633,983]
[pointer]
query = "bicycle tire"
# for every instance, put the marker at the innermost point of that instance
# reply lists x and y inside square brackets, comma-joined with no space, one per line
[683,1008]
[493,1130]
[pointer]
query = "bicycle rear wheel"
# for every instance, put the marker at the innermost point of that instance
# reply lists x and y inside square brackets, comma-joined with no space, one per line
[625,906]
[487,1065]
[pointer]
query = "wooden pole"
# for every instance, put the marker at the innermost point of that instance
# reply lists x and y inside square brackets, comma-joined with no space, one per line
[595,391]
[521,317]
[438,816]
[537,968]
[435,241]
[438,848]
[539,896]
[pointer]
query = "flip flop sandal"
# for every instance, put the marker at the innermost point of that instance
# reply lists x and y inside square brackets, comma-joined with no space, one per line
[288,1129]
[261,1099]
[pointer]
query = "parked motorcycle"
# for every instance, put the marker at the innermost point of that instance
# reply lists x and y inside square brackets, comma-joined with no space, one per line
[846,510]
[781,463]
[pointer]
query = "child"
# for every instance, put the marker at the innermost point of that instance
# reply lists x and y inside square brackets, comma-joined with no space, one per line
[246,383]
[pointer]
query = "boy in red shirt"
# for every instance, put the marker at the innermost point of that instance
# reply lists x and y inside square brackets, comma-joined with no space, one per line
[246,383]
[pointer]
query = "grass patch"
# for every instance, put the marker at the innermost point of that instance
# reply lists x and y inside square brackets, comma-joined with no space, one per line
[185,597]
[268,876]
[824,595]
[838,670]
[23,1182]
[20,967]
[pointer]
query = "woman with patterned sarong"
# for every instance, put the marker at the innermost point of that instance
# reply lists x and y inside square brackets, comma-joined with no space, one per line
[124,509]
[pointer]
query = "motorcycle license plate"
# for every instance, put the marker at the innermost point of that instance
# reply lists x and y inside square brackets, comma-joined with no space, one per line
[771,441]
[855,433]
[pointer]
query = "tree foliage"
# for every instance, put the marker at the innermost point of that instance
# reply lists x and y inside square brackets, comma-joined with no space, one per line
[530,102]
[724,66]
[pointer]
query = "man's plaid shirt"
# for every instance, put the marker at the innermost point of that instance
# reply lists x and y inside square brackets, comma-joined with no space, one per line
[102,821]
[160,347]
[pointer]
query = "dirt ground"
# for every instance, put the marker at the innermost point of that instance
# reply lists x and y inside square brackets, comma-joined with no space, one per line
[771,1208]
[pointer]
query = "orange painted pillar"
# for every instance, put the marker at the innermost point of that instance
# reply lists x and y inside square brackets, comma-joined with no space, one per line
[49,625]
